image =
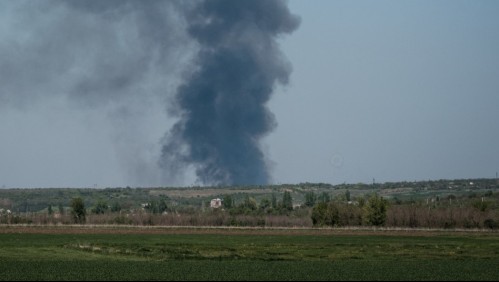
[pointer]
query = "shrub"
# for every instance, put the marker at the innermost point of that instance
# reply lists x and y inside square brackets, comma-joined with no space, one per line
[490,223]
[78,211]
[376,210]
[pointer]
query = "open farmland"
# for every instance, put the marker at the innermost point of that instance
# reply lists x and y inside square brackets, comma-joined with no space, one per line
[126,253]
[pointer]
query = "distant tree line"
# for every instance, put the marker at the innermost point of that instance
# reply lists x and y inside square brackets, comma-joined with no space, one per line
[471,210]
[266,206]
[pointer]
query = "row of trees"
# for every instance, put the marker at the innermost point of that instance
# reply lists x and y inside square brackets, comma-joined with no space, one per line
[249,205]
[79,212]
[338,213]
[377,211]
[266,206]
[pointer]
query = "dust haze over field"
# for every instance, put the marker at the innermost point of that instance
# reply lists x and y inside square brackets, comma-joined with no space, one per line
[180,86]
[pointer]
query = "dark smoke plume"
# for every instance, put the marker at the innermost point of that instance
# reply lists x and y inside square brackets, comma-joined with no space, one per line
[222,104]
[121,61]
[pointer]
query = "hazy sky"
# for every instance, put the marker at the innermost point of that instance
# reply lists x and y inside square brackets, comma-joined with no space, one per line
[391,90]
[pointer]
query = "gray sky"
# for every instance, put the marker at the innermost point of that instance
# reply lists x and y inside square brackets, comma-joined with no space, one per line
[391,90]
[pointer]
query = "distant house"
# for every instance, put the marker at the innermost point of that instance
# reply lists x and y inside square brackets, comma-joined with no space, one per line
[216,203]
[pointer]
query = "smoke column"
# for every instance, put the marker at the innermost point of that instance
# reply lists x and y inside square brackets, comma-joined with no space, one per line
[222,104]
[126,64]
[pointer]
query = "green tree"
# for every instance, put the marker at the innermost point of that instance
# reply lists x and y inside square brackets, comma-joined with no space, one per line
[50,210]
[347,195]
[116,207]
[287,201]
[376,210]
[310,199]
[228,202]
[78,211]
[319,214]
[152,207]
[101,207]
[61,209]
[362,202]
[332,214]
[250,203]
[325,214]
[163,207]
[156,207]
[481,205]
[324,197]
[273,201]
[265,204]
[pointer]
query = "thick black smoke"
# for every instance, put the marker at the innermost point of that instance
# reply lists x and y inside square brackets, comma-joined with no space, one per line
[125,59]
[222,104]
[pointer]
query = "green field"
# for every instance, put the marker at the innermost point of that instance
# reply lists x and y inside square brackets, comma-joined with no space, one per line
[250,255]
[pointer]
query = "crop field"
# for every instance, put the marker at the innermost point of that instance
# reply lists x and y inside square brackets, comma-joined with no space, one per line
[78,253]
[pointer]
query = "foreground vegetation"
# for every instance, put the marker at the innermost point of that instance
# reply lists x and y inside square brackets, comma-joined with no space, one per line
[180,254]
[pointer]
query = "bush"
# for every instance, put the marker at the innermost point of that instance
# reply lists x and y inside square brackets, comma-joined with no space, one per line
[376,210]
[78,211]
[310,199]
[336,214]
[101,207]
[490,223]
[481,205]
[319,214]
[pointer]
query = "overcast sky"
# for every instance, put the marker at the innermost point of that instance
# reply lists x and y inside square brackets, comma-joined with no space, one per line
[385,90]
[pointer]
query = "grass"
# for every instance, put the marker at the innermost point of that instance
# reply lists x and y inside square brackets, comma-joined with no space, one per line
[248,257]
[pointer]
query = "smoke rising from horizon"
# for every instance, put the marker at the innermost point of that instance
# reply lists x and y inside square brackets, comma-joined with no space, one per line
[223,112]
[212,64]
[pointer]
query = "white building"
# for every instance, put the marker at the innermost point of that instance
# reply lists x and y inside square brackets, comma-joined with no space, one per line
[216,203]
